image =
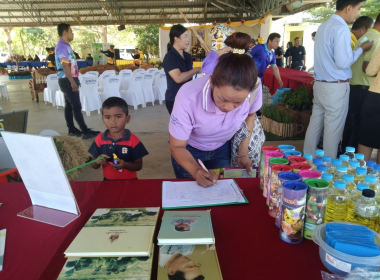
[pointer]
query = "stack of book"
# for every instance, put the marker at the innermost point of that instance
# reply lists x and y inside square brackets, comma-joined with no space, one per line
[115,243]
[187,247]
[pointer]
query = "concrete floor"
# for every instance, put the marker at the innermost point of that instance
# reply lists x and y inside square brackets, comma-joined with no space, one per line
[149,124]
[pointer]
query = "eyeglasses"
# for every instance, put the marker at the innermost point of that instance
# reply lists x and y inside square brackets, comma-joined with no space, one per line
[196,264]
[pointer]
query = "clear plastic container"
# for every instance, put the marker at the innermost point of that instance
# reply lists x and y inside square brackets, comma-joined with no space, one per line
[360,173]
[360,159]
[372,182]
[316,162]
[352,167]
[319,154]
[347,262]
[354,195]
[370,164]
[328,178]
[366,210]
[334,164]
[376,171]
[349,180]
[337,202]
[340,171]
[321,168]
[345,159]
[326,160]
[309,158]
[350,152]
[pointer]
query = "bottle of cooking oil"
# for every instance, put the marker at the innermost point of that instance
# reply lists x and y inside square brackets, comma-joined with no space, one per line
[370,164]
[326,160]
[372,182]
[350,152]
[376,171]
[359,175]
[337,202]
[345,159]
[328,178]
[309,158]
[349,180]
[354,195]
[334,164]
[360,159]
[316,162]
[352,167]
[340,171]
[366,211]
[321,168]
[319,154]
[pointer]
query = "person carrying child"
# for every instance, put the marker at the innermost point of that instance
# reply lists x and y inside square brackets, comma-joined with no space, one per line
[119,141]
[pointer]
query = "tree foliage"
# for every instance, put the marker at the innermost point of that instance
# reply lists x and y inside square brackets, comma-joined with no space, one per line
[147,37]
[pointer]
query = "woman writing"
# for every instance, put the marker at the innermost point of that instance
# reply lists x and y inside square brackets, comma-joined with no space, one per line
[209,111]
[178,64]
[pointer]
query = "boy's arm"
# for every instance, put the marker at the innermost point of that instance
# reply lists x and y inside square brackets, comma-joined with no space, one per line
[99,162]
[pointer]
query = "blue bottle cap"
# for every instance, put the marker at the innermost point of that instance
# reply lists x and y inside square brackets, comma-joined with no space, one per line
[342,168]
[350,149]
[359,156]
[371,163]
[354,163]
[344,157]
[336,162]
[286,147]
[348,177]
[319,152]
[327,176]
[370,179]
[376,167]
[340,184]
[321,168]
[326,158]
[317,161]
[361,170]
[308,156]
[362,186]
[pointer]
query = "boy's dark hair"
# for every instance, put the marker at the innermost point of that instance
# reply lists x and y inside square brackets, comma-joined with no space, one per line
[313,34]
[180,228]
[296,38]
[179,275]
[377,19]
[62,27]
[363,21]
[115,102]
[341,4]
[272,36]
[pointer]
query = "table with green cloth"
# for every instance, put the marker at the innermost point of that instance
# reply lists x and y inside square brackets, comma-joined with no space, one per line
[291,79]
[247,240]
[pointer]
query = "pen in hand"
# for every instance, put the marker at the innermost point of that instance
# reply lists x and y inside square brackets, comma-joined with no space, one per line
[204,167]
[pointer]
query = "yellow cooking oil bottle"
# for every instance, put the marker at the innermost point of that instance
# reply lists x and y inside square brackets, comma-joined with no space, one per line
[354,195]
[337,202]
[366,211]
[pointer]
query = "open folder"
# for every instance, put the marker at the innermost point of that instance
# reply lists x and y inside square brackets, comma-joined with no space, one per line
[188,194]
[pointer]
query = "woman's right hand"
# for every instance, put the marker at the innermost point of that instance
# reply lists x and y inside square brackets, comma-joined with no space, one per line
[205,179]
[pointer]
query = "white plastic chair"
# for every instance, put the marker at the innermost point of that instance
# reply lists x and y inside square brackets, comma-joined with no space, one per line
[51,89]
[109,72]
[14,68]
[147,89]
[124,79]
[151,70]
[111,86]
[89,97]
[134,95]
[159,87]
[59,99]
[4,91]
[92,73]
[138,71]
[102,77]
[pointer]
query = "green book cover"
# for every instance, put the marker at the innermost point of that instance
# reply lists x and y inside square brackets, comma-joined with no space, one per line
[186,227]
[115,232]
[127,268]
[188,262]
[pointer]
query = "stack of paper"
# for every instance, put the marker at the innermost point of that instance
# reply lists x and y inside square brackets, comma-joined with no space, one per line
[3,234]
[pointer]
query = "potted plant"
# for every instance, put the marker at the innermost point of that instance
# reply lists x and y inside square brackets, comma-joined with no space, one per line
[276,122]
[2,70]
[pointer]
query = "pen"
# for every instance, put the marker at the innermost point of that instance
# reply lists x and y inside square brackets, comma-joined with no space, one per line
[202,165]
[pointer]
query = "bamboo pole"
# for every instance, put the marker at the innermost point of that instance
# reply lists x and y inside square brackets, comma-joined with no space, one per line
[203,44]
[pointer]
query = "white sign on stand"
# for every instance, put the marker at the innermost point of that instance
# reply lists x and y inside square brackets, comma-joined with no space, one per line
[41,170]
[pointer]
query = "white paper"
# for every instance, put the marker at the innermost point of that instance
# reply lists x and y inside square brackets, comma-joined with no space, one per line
[180,194]
[3,234]
[41,170]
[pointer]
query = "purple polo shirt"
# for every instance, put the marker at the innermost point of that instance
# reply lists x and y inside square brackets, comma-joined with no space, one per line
[210,62]
[196,119]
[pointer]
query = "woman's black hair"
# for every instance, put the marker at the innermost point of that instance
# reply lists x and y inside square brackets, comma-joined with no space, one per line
[176,31]
[290,44]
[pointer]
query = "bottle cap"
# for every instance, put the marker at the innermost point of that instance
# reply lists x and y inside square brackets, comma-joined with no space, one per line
[376,167]
[370,163]
[340,184]
[342,168]
[319,152]
[361,170]
[336,162]
[344,157]
[327,176]
[326,158]
[317,161]
[359,156]
[350,149]
[308,156]
[362,186]
[354,163]
[321,168]
[368,193]
[348,177]
[370,178]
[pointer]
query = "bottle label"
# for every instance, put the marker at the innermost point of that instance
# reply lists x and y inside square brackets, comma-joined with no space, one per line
[343,266]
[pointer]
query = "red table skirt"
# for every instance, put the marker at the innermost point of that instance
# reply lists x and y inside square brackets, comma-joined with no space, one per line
[247,240]
[291,79]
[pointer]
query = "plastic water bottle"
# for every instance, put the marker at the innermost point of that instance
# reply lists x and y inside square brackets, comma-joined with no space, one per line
[309,158]
[334,164]
[340,171]
[376,171]
[345,159]
[370,164]
[337,202]
[350,152]
[352,166]
[316,162]
[372,182]
[366,211]
[355,195]
[349,180]
[319,154]
[326,160]
[359,175]
[321,168]
[360,159]
[328,178]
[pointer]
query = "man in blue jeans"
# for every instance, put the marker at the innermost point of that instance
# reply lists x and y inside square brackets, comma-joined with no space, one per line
[69,84]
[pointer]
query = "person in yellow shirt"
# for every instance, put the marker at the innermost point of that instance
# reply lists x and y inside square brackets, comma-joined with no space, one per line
[51,59]
[359,28]
[110,54]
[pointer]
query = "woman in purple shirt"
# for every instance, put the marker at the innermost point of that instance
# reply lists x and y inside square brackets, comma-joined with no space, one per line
[209,111]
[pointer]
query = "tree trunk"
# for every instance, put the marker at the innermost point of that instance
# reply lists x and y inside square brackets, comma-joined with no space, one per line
[104,34]
[9,41]
[23,45]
